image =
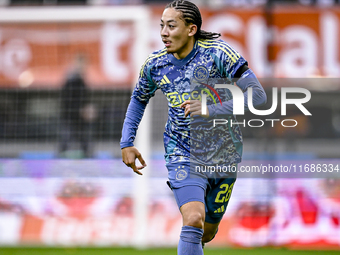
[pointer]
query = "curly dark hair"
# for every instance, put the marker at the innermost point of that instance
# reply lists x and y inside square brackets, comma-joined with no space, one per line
[192,15]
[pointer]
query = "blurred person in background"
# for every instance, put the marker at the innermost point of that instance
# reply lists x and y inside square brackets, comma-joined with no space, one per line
[77,113]
[192,57]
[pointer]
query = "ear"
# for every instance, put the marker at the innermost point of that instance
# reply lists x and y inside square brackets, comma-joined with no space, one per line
[192,30]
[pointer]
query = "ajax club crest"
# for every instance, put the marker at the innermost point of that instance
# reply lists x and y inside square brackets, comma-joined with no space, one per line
[181,174]
[201,73]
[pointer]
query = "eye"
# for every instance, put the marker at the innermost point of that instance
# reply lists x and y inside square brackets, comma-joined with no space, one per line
[161,25]
[171,26]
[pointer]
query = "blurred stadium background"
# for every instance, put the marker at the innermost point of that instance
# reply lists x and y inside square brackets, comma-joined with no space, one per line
[74,198]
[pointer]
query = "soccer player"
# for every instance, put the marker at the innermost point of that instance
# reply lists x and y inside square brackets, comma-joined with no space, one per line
[191,60]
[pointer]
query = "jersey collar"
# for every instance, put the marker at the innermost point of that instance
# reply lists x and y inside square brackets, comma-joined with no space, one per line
[183,61]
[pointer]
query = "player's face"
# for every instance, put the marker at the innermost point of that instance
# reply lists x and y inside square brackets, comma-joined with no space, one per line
[177,37]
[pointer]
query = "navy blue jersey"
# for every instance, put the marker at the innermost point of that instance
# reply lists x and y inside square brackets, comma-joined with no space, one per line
[178,80]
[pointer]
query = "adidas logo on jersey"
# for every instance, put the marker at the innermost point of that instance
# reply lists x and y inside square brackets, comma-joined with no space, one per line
[220,210]
[165,80]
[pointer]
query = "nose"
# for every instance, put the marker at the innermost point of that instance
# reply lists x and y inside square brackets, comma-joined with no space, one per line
[164,31]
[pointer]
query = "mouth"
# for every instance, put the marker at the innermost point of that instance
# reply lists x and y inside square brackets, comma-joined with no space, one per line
[167,43]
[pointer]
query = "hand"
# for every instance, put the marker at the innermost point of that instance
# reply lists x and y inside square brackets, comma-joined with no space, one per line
[194,107]
[129,155]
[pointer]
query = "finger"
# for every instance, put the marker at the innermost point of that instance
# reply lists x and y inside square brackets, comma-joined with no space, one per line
[185,103]
[134,168]
[195,108]
[127,162]
[140,167]
[194,113]
[192,102]
[141,160]
[137,172]
[187,111]
[196,103]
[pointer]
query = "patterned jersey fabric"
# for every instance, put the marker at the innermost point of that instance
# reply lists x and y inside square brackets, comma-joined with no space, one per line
[194,138]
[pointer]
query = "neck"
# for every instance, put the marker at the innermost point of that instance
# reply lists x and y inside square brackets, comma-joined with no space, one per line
[182,53]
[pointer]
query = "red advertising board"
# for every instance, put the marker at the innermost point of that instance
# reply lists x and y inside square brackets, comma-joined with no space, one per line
[50,206]
[286,42]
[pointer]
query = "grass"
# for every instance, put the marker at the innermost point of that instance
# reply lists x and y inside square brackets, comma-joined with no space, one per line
[163,251]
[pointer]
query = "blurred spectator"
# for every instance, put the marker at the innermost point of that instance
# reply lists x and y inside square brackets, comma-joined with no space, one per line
[77,113]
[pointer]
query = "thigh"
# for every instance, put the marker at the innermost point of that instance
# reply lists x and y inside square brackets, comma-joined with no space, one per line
[185,187]
[186,194]
[217,198]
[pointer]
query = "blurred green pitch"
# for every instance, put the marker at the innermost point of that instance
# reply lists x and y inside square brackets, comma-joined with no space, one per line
[165,251]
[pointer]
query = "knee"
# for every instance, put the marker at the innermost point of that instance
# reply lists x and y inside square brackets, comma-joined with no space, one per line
[194,219]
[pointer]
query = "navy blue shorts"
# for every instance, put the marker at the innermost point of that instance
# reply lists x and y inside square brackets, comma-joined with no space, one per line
[206,188]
